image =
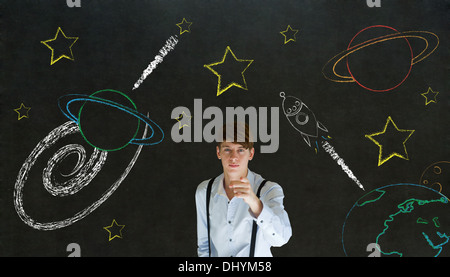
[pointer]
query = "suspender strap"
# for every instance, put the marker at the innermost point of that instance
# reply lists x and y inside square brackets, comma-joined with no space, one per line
[208,196]
[255,226]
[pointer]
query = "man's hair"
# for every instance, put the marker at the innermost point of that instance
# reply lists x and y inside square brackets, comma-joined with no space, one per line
[236,132]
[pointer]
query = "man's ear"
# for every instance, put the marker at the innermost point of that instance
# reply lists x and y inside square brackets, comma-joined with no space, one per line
[252,153]
[218,152]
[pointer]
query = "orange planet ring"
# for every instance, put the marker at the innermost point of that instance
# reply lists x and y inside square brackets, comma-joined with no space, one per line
[408,34]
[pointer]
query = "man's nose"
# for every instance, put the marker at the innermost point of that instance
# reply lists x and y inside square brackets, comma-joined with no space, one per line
[234,155]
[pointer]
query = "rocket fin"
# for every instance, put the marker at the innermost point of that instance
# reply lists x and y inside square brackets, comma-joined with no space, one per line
[320,125]
[306,138]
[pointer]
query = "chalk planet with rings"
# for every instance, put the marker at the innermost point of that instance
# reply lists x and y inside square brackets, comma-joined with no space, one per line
[431,43]
[85,169]
[126,105]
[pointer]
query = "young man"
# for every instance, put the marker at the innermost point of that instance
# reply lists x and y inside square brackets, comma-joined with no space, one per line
[234,205]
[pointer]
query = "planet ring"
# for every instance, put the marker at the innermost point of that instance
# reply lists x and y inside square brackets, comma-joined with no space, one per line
[424,35]
[65,101]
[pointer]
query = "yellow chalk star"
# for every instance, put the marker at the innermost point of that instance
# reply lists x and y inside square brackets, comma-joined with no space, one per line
[22,111]
[183,116]
[232,66]
[390,137]
[62,45]
[184,26]
[430,94]
[117,230]
[289,34]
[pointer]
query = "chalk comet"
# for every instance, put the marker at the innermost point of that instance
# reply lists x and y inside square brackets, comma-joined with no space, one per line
[330,150]
[169,46]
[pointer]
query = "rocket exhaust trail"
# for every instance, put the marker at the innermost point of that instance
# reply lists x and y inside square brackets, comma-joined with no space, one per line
[330,150]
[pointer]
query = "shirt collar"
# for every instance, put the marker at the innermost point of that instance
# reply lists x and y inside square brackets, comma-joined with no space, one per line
[221,190]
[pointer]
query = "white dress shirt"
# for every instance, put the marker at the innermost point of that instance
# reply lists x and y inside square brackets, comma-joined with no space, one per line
[231,221]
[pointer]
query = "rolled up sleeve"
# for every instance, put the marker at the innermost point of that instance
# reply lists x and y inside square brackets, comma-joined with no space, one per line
[273,220]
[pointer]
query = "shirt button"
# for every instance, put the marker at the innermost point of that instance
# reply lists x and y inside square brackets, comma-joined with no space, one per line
[261,221]
[230,239]
[229,222]
[273,234]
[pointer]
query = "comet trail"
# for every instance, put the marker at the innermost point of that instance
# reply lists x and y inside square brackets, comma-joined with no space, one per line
[330,150]
[169,46]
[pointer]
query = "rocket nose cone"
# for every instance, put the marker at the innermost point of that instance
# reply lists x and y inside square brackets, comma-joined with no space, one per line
[292,105]
[282,95]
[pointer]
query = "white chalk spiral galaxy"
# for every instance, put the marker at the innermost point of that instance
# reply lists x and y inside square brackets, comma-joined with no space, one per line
[82,174]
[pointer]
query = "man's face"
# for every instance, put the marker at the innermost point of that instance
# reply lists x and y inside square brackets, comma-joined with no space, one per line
[234,158]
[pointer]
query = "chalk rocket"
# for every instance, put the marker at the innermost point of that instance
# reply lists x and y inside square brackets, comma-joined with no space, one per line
[304,121]
[301,118]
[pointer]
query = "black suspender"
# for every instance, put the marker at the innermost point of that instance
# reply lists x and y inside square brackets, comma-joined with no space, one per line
[255,226]
[208,196]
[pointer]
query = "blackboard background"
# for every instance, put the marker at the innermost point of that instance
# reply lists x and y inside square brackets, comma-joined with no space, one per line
[118,39]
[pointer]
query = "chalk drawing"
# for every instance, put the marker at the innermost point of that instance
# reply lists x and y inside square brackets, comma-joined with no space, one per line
[65,52]
[303,120]
[65,101]
[407,207]
[216,69]
[184,26]
[289,34]
[114,230]
[394,217]
[330,150]
[22,111]
[84,171]
[168,46]
[431,43]
[430,96]
[401,136]
[185,118]
[437,176]
[82,174]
